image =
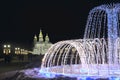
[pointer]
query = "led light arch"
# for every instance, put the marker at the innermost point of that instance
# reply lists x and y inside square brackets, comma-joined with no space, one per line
[97,54]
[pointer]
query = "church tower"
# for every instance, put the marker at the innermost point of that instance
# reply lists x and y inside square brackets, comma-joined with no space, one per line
[40,36]
[41,44]
[35,39]
[46,38]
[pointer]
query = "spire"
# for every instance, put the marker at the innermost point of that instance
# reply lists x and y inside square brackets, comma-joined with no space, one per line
[46,38]
[35,39]
[40,36]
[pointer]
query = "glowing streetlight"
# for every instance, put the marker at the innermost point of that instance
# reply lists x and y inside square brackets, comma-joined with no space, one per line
[4,46]
[8,46]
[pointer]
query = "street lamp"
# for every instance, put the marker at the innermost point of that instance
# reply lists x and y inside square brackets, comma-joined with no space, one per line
[6,49]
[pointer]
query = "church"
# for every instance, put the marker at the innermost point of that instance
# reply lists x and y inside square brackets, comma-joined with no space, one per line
[41,45]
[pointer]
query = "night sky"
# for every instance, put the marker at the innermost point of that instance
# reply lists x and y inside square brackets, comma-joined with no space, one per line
[20,20]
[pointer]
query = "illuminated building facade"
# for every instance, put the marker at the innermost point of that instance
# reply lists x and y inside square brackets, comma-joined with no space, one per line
[41,45]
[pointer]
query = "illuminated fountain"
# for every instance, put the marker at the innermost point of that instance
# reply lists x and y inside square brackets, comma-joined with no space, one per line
[97,54]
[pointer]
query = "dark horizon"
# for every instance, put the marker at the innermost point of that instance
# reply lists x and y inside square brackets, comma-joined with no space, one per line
[62,20]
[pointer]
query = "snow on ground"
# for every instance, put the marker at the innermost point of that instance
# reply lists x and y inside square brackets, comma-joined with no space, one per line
[30,74]
[34,74]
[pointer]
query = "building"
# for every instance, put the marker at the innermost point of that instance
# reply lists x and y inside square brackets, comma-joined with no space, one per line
[41,45]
